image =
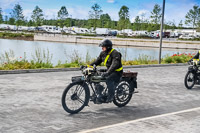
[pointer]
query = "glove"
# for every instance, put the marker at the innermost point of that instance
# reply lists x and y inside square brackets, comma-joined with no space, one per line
[105,75]
[81,67]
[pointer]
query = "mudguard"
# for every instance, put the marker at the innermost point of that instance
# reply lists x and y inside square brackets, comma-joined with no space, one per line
[191,69]
[78,79]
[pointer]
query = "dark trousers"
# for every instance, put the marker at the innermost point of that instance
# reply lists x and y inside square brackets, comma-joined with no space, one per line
[112,81]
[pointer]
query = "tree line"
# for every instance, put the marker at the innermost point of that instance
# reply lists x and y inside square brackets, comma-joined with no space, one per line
[99,19]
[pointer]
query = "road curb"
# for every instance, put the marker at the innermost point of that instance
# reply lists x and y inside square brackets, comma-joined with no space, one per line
[3,72]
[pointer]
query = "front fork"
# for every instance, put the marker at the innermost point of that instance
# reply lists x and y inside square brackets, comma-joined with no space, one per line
[196,75]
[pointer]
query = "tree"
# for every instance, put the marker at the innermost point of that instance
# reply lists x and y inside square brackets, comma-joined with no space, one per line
[192,16]
[67,22]
[144,22]
[114,24]
[136,24]
[105,21]
[17,14]
[62,13]
[6,19]
[37,16]
[156,14]
[180,25]
[62,16]
[124,21]
[172,25]
[94,14]
[1,16]
[11,21]
[30,23]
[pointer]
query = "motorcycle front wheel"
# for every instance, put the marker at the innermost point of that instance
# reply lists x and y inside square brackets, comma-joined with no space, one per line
[189,80]
[75,97]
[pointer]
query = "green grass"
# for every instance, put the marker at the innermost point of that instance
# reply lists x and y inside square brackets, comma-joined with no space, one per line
[195,39]
[135,37]
[15,35]
[42,59]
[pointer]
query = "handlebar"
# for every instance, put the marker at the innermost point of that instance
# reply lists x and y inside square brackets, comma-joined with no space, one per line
[194,62]
[190,63]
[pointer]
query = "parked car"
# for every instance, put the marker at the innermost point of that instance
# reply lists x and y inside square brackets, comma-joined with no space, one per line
[4,26]
[22,28]
[102,31]
[166,34]
[31,28]
[174,34]
[51,29]
[154,34]
[186,37]
[12,27]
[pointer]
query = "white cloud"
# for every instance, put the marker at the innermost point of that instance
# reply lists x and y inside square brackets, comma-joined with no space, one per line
[93,1]
[8,4]
[113,14]
[74,12]
[27,13]
[141,12]
[172,12]
[50,13]
[111,1]
[132,19]
[78,12]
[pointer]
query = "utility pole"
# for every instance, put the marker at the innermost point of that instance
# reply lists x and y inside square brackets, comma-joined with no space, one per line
[161,31]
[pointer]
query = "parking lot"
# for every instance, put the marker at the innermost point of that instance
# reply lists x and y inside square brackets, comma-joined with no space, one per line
[32,103]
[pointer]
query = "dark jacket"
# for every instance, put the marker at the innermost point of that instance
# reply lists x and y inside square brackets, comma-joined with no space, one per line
[113,62]
[196,56]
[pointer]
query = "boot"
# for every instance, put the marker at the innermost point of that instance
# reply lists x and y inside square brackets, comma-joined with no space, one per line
[110,98]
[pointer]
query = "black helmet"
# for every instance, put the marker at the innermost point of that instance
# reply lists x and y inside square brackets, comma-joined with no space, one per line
[106,43]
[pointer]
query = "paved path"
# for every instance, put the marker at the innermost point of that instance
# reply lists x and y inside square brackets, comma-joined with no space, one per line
[185,121]
[32,102]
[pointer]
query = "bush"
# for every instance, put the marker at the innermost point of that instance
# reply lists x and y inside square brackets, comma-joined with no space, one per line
[8,61]
[42,59]
[195,39]
[14,35]
[29,35]
[178,58]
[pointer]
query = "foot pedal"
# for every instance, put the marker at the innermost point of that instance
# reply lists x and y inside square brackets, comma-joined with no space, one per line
[136,91]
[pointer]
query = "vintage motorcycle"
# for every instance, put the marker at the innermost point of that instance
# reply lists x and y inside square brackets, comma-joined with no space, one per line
[89,87]
[192,77]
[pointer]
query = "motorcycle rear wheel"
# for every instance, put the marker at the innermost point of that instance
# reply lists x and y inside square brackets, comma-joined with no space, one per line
[123,94]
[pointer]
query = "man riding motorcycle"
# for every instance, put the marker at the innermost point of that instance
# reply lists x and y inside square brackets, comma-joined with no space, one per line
[112,60]
[197,56]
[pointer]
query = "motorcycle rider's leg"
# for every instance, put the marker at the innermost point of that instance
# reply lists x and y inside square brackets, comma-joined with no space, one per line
[111,91]
[99,89]
[111,82]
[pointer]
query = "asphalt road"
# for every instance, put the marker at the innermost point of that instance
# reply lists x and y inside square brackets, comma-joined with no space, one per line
[32,102]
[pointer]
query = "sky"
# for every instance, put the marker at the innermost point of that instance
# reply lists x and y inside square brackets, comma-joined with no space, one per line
[175,10]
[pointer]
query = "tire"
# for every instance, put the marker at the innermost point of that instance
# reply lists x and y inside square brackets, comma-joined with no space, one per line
[79,88]
[187,78]
[123,94]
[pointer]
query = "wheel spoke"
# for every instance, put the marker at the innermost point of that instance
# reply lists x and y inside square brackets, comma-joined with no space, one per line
[80,100]
[76,89]
[80,92]
[75,97]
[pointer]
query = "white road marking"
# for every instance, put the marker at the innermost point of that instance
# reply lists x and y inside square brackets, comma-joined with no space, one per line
[142,119]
